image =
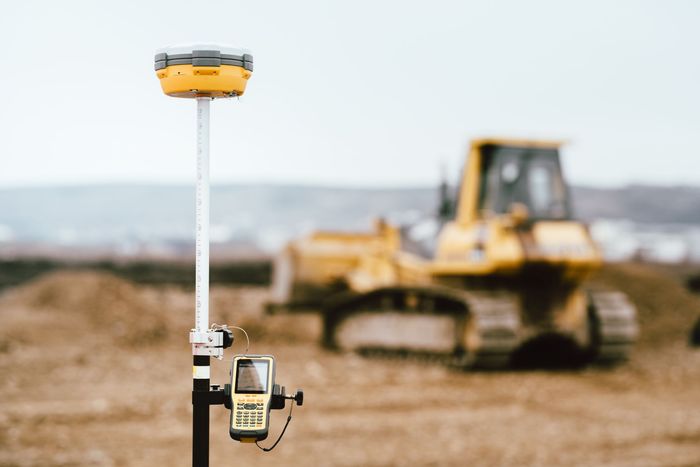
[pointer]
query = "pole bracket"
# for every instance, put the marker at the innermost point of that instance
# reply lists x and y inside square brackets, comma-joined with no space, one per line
[211,342]
[214,396]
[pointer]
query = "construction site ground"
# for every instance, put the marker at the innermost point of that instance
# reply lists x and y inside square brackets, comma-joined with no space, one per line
[96,370]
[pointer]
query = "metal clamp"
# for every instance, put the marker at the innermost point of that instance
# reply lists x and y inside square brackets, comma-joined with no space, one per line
[211,342]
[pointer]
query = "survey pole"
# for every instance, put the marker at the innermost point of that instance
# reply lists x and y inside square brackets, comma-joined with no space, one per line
[203,72]
[201,370]
[201,322]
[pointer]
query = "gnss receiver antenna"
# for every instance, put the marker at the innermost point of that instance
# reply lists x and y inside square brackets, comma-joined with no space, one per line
[205,72]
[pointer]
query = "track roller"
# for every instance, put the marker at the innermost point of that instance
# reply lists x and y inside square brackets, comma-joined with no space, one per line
[613,327]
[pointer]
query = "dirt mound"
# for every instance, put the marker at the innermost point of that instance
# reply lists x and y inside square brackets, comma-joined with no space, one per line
[667,310]
[118,308]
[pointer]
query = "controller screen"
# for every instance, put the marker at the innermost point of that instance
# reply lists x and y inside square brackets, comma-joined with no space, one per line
[251,376]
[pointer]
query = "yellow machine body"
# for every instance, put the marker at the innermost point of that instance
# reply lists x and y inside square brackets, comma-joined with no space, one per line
[191,81]
[479,241]
[310,267]
[501,273]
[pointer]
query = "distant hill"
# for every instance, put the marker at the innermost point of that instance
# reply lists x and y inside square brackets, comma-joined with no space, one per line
[266,215]
[142,213]
[639,203]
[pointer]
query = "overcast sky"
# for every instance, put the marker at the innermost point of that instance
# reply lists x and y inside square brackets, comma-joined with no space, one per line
[361,93]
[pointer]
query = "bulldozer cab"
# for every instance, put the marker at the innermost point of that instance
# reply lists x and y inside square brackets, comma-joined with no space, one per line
[518,178]
[512,177]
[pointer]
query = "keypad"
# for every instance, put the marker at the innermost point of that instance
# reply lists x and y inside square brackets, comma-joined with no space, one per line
[249,414]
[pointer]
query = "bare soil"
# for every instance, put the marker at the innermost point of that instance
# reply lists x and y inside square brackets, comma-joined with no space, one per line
[95,371]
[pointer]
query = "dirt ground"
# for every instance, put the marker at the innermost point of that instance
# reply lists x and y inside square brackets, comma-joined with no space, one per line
[95,371]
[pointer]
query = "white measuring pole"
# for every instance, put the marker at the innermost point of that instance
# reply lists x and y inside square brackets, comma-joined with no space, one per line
[201,319]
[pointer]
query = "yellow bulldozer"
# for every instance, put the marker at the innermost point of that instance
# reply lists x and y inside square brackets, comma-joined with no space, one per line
[506,269]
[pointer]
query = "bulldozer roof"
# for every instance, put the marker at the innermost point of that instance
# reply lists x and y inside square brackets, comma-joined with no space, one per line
[530,143]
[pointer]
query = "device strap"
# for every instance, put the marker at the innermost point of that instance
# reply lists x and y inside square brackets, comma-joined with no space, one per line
[289,419]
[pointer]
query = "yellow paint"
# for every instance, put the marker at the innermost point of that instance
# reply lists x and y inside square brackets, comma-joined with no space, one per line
[191,81]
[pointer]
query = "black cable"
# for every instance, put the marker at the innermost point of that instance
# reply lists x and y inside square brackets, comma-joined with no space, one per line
[289,419]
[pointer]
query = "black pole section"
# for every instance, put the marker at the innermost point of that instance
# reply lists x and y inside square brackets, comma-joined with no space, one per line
[200,414]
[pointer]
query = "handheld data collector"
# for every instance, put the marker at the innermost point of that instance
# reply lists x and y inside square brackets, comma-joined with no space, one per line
[252,381]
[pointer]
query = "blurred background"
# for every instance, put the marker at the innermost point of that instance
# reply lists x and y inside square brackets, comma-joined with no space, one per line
[355,110]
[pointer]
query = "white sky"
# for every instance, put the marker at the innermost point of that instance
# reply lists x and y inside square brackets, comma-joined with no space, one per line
[361,93]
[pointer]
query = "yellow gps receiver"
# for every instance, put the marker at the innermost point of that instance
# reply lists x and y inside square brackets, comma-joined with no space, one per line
[203,70]
[252,394]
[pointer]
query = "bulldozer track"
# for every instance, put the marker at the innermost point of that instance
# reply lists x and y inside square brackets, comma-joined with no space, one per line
[613,327]
[456,328]
[497,319]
